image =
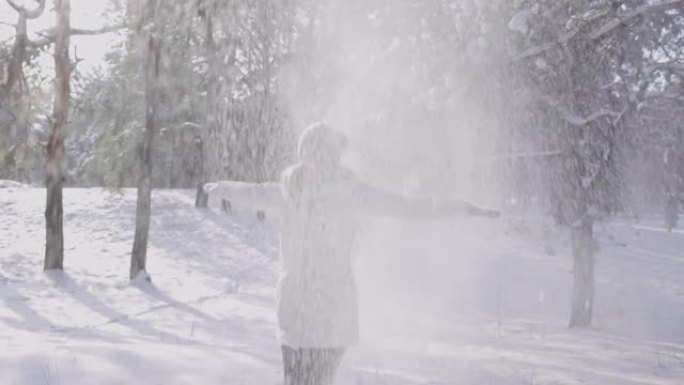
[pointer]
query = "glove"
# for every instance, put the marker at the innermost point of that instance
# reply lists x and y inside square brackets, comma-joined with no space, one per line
[491,213]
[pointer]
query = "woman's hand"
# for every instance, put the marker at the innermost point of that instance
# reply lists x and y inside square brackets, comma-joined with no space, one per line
[490,213]
[482,212]
[457,207]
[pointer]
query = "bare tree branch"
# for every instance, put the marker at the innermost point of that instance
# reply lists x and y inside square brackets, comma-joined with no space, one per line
[583,121]
[29,14]
[48,36]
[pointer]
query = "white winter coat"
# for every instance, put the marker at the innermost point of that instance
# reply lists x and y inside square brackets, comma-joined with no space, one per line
[316,297]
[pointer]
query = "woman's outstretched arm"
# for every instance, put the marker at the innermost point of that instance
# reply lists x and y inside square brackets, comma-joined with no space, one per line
[458,207]
[380,202]
[246,195]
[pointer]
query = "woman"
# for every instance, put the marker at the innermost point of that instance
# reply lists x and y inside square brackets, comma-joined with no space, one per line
[318,200]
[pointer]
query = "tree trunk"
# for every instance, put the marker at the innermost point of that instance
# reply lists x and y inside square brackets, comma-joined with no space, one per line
[201,198]
[584,145]
[582,236]
[143,211]
[583,272]
[207,144]
[54,174]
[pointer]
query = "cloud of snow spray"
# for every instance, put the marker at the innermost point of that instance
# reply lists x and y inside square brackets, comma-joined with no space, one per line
[417,87]
[400,78]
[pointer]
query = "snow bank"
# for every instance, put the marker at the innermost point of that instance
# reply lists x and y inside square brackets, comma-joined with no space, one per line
[9,184]
[443,302]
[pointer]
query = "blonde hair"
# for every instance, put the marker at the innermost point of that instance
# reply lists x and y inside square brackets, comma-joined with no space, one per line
[318,138]
[315,140]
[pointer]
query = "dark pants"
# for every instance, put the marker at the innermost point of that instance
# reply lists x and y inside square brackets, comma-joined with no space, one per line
[311,366]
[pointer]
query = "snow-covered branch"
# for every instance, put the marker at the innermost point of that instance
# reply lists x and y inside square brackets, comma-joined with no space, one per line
[644,10]
[579,121]
[191,125]
[679,96]
[523,155]
[536,50]
[607,28]
[674,67]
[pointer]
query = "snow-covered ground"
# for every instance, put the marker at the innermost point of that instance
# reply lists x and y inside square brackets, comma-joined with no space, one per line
[443,301]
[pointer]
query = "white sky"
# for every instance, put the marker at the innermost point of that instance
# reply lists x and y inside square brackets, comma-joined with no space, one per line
[86,14]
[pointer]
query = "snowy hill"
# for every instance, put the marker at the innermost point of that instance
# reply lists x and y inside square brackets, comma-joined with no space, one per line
[443,302]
